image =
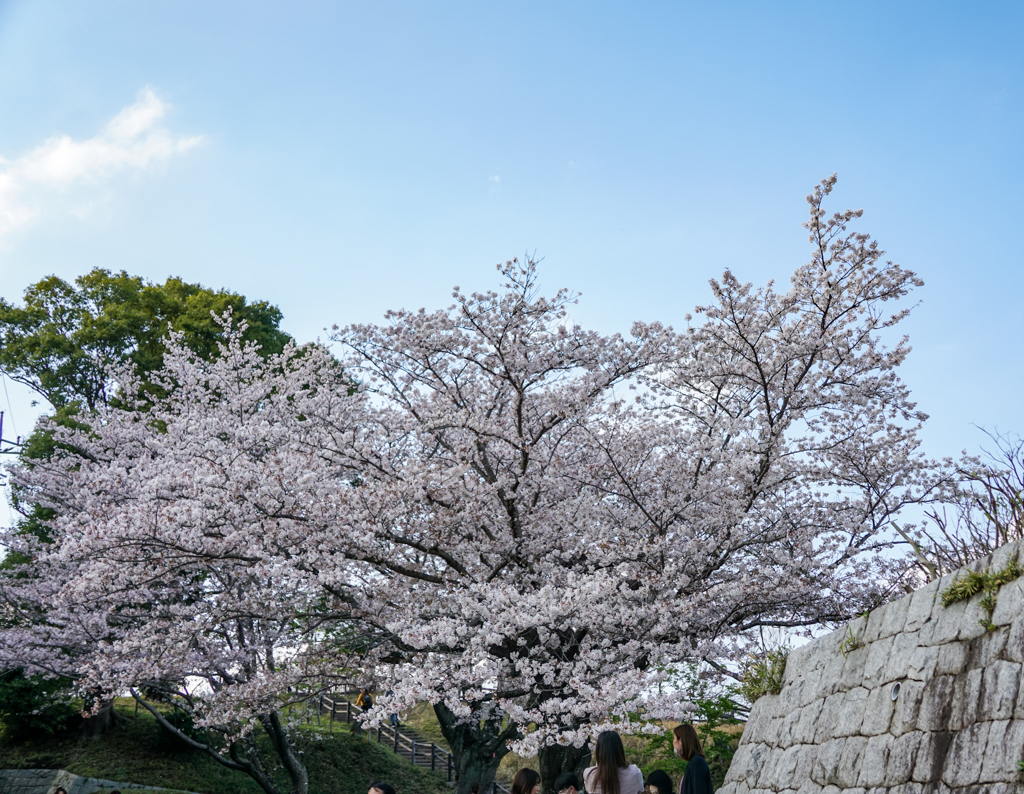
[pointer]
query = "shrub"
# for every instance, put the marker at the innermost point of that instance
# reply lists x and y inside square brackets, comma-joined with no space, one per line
[34,706]
[762,675]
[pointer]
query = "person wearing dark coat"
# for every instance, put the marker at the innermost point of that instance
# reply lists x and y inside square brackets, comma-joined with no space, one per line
[697,779]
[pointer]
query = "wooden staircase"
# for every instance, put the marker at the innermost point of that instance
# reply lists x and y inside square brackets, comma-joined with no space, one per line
[412,746]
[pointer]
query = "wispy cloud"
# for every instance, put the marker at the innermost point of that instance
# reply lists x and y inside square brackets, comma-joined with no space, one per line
[134,140]
[494,178]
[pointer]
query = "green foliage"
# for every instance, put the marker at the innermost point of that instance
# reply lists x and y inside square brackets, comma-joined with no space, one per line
[716,723]
[762,675]
[850,643]
[55,341]
[138,752]
[33,707]
[968,585]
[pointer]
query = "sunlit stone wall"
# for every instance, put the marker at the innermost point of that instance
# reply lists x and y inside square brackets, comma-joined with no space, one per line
[956,723]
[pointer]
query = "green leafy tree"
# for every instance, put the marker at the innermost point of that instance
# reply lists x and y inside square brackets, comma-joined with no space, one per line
[57,341]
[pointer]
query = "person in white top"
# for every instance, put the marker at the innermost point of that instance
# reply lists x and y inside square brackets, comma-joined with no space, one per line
[611,774]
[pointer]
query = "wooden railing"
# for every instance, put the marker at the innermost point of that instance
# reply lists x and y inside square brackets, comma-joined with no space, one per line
[417,751]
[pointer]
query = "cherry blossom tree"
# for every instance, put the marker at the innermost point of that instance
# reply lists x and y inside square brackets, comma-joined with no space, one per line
[567,517]
[529,524]
[169,568]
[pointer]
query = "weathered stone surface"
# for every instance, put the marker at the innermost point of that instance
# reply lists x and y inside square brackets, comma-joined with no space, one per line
[850,717]
[901,759]
[919,611]
[878,710]
[853,669]
[966,753]
[1015,641]
[921,663]
[1009,603]
[877,663]
[931,756]
[966,694]
[936,704]
[826,763]
[875,760]
[956,727]
[999,690]
[831,708]
[807,725]
[907,707]
[849,768]
[952,659]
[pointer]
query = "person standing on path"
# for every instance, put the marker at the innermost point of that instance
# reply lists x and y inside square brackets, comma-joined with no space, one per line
[611,774]
[697,779]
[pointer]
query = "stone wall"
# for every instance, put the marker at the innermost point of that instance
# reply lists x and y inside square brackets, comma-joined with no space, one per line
[956,723]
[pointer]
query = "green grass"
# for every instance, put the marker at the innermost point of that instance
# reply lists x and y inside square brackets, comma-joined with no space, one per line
[139,752]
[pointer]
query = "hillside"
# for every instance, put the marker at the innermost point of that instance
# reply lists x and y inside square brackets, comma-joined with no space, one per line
[139,752]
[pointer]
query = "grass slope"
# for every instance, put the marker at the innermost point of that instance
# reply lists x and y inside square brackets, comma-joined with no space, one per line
[139,752]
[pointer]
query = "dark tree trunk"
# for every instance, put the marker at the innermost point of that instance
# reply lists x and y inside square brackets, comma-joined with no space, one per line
[556,759]
[477,748]
[103,722]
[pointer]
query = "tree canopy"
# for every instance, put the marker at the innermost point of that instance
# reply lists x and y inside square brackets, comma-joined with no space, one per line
[59,340]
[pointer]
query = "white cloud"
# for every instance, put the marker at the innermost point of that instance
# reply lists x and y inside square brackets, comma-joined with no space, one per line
[494,179]
[134,140]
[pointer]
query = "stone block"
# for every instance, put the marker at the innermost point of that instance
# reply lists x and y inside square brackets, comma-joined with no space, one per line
[768,772]
[999,685]
[919,610]
[903,646]
[921,664]
[875,760]
[826,762]
[946,623]
[785,776]
[952,659]
[850,760]
[1014,650]
[851,714]
[965,756]
[853,669]
[832,674]
[936,704]
[931,756]
[966,695]
[808,723]
[805,760]
[985,649]
[877,663]
[757,721]
[902,754]
[809,787]
[1002,556]
[878,710]
[831,708]
[1009,603]
[907,707]
[1005,740]
[788,732]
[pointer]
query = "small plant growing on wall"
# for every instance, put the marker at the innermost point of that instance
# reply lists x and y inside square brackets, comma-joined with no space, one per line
[762,674]
[850,643]
[971,583]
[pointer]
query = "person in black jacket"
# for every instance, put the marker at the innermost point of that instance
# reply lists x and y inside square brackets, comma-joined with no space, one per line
[697,779]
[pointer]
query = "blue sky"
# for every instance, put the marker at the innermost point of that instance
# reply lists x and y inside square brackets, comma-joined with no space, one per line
[343,159]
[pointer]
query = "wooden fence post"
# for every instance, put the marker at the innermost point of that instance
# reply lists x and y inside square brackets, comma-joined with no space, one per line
[414,752]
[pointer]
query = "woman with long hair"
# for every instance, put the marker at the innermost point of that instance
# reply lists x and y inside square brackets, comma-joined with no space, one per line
[697,779]
[610,773]
[526,781]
